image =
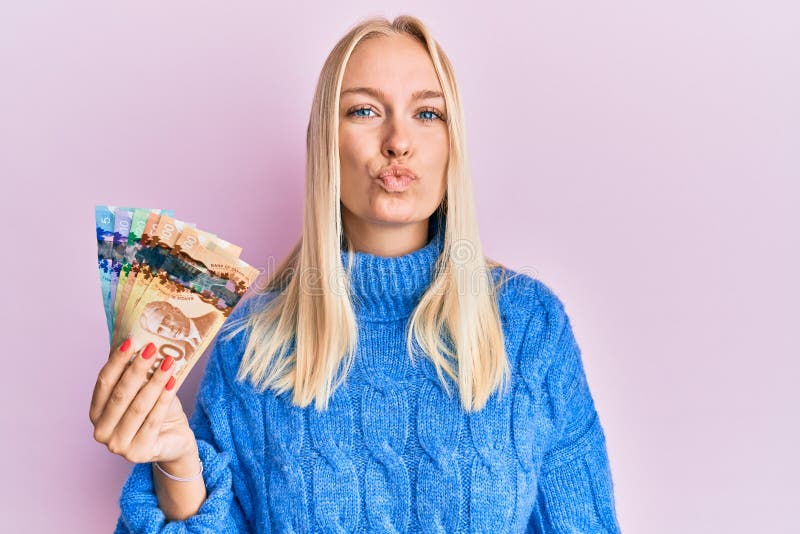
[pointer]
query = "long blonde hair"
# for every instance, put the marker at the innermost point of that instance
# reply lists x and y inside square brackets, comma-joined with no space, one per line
[304,339]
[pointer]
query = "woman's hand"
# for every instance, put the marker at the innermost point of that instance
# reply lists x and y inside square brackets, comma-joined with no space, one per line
[138,417]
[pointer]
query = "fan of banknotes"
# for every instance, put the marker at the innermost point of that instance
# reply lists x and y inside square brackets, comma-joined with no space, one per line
[165,281]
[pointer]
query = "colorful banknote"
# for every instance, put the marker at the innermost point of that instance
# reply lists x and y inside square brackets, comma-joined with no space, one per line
[104,220]
[122,227]
[134,236]
[175,285]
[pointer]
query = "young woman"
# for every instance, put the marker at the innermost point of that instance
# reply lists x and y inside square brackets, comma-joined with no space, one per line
[389,377]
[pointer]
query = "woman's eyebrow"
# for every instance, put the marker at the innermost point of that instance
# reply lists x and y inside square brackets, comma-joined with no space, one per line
[422,94]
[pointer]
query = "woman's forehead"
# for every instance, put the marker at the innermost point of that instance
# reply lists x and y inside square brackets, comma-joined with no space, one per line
[390,65]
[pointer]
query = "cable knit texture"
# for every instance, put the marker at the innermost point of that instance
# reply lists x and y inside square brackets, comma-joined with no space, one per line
[394,452]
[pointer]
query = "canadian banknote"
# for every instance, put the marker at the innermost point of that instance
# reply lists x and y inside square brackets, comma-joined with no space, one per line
[176,284]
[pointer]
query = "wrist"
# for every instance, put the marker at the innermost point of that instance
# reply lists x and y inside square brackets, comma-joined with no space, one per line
[187,465]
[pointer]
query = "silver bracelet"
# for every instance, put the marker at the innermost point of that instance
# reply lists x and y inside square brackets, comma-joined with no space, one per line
[179,479]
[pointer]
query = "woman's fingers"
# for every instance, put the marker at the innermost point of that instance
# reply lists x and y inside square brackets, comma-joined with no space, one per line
[151,435]
[138,420]
[107,378]
[122,393]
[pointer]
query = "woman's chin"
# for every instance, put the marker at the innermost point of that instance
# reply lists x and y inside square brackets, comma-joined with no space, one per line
[395,213]
[393,209]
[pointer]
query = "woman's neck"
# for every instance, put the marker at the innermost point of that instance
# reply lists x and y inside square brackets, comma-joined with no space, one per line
[387,240]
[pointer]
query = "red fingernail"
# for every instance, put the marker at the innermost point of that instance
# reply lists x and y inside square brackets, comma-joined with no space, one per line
[171,382]
[125,345]
[167,363]
[148,351]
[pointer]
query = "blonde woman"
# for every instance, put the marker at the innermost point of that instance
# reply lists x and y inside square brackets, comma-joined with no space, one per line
[388,377]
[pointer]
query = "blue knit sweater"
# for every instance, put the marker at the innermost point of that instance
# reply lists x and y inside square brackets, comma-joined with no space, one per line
[394,453]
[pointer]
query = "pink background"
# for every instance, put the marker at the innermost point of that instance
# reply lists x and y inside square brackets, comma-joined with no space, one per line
[641,158]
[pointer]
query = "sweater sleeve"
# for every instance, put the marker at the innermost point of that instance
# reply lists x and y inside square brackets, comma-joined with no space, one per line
[575,490]
[221,511]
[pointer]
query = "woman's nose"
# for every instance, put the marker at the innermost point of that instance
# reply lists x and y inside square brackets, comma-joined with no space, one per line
[398,141]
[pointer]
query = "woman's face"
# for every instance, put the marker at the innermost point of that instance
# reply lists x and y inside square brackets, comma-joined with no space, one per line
[391,113]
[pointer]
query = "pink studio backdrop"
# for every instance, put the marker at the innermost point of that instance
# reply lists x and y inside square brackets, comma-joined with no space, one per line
[639,157]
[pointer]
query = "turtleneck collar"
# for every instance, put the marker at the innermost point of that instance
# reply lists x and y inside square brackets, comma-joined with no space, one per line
[389,288]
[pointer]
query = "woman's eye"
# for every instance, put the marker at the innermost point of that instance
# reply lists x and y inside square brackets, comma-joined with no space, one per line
[430,115]
[355,112]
